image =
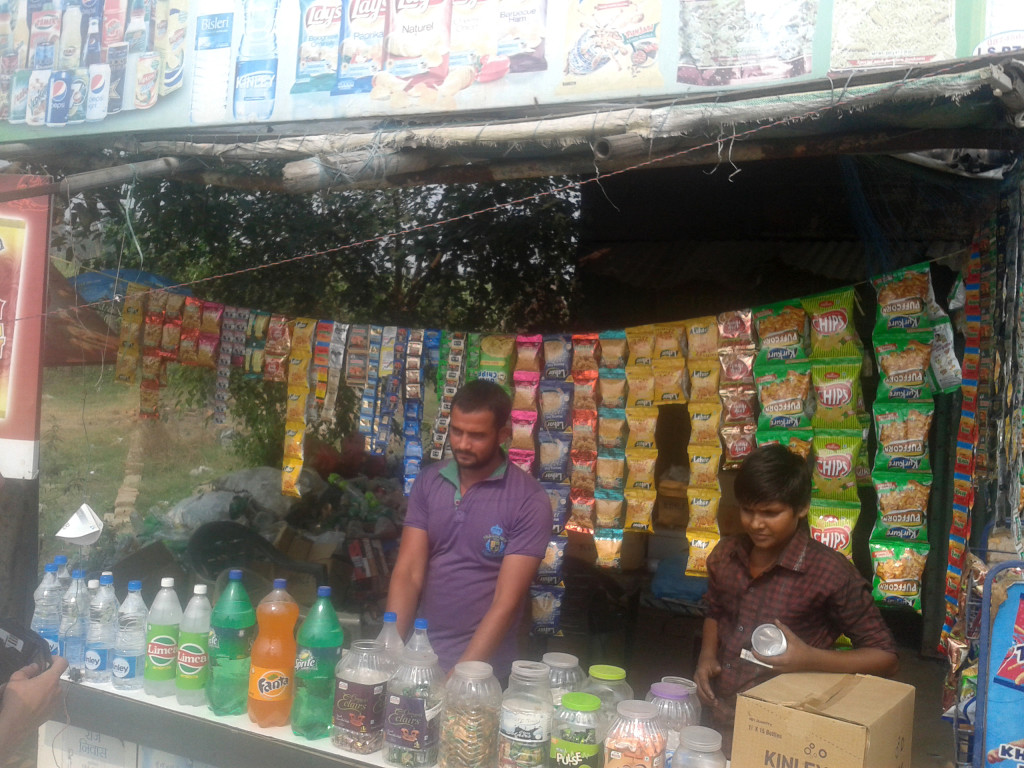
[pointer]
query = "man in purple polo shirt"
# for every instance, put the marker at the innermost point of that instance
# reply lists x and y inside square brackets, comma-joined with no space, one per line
[475,532]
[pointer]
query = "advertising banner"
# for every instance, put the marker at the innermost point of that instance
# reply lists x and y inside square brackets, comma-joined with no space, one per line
[24,238]
[98,66]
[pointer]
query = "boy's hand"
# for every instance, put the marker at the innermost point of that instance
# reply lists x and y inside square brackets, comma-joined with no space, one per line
[797,657]
[708,668]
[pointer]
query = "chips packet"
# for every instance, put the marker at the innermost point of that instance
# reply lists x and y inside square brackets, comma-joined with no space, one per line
[524,423]
[557,357]
[782,329]
[612,430]
[705,419]
[702,337]
[735,329]
[784,391]
[836,383]
[585,395]
[546,610]
[670,381]
[496,354]
[668,341]
[558,494]
[737,365]
[584,431]
[945,366]
[609,508]
[704,379]
[639,509]
[902,505]
[704,461]
[528,353]
[904,365]
[640,379]
[640,341]
[585,353]
[523,458]
[608,543]
[833,333]
[555,398]
[614,349]
[553,453]
[642,425]
[611,472]
[739,403]
[833,475]
[701,545]
[640,468]
[702,504]
[524,390]
[583,476]
[581,511]
[737,443]
[901,430]
[832,523]
[611,384]
[549,572]
[903,299]
[897,572]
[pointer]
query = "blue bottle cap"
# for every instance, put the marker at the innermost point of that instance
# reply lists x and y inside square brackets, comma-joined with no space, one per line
[390,617]
[235,574]
[61,559]
[323,591]
[78,573]
[420,624]
[280,583]
[50,568]
[106,579]
[134,585]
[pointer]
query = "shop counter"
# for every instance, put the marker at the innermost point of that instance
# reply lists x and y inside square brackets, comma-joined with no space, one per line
[196,733]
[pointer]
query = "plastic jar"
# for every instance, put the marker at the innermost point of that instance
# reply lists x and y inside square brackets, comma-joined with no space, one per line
[469,730]
[412,714]
[576,736]
[609,684]
[524,729]
[699,747]
[692,701]
[361,679]
[670,699]
[566,675]
[636,737]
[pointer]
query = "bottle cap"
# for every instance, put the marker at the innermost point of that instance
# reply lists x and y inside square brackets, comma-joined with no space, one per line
[323,591]
[634,708]
[50,568]
[673,691]
[683,681]
[697,738]
[134,585]
[531,670]
[607,672]
[199,589]
[78,573]
[420,624]
[474,670]
[390,617]
[581,702]
[107,578]
[61,560]
[106,573]
[280,583]
[93,584]
[166,582]
[235,574]
[560,660]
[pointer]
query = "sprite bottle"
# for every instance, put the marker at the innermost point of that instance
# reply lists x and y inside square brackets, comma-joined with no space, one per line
[232,631]
[318,652]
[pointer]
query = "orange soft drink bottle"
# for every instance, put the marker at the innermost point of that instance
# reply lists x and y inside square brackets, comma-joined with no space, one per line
[272,665]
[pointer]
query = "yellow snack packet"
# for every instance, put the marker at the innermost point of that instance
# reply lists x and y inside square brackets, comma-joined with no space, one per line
[640,468]
[640,340]
[669,380]
[702,337]
[642,424]
[639,509]
[703,506]
[704,377]
[701,545]
[705,418]
[704,460]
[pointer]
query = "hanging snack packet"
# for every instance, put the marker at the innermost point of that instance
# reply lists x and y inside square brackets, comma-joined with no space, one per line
[611,383]
[584,431]
[798,441]
[702,337]
[639,509]
[835,457]
[704,461]
[152,330]
[703,507]
[836,384]
[553,449]
[739,404]
[546,610]
[556,404]
[472,356]
[523,425]
[585,353]
[640,379]
[584,395]
[583,475]
[523,458]
[549,572]
[279,336]
[640,340]
[612,431]
[608,544]
[611,472]
[735,329]
[558,495]
[784,390]
[782,329]
[609,508]
[705,419]
[704,379]
[701,545]
[496,353]
[945,366]
[903,299]
[557,357]
[898,569]
[902,433]
[833,333]
[738,443]
[667,341]
[524,390]
[528,354]
[192,313]
[642,425]
[902,505]
[737,365]
[640,468]
[581,511]
[832,523]
[614,349]
[904,365]
[669,381]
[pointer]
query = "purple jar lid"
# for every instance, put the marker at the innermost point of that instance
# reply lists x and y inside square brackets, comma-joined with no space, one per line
[673,691]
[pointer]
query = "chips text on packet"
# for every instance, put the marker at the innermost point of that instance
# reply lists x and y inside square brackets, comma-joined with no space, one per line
[784,390]
[702,504]
[903,298]
[835,458]
[701,545]
[902,505]
[836,383]
[782,329]
[833,333]
[904,365]
[898,569]
[902,433]
[832,523]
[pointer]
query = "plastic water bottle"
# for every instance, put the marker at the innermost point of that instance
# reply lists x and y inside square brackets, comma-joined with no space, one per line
[130,645]
[162,627]
[232,631]
[63,574]
[194,649]
[74,621]
[102,633]
[46,613]
[419,640]
[256,66]
[393,643]
[93,585]
[210,80]
[318,653]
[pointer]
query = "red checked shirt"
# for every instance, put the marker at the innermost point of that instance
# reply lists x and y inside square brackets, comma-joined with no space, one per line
[812,589]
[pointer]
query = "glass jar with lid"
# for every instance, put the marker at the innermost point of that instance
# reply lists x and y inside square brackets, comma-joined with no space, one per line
[566,675]
[469,729]
[636,737]
[671,699]
[609,684]
[412,712]
[699,747]
[524,729]
[692,701]
[361,679]
[576,736]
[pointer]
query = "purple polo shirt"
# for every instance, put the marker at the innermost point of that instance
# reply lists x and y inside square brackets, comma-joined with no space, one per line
[507,514]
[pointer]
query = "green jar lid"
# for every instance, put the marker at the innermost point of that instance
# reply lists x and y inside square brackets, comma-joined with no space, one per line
[581,702]
[607,672]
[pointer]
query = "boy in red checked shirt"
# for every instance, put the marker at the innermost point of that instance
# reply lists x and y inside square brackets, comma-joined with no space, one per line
[776,573]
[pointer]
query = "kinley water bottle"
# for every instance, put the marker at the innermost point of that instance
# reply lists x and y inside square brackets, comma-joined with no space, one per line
[256,65]
[162,626]
[74,621]
[46,614]
[99,641]
[130,645]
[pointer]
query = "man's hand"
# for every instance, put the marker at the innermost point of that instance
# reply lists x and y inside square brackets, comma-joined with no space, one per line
[798,656]
[708,668]
[29,698]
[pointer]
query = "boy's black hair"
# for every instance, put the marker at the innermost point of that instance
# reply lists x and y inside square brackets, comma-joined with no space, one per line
[773,473]
[480,395]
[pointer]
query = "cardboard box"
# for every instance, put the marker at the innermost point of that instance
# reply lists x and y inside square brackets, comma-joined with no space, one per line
[154,758]
[65,746]
[818,720]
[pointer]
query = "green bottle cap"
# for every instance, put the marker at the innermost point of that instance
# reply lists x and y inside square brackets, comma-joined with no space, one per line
[607,672]
[581,702]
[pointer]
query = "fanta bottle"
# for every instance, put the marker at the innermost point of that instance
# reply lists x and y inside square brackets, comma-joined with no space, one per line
[272,665]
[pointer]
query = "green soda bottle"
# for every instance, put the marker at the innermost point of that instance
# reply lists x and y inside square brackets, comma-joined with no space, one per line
[319,651]
[232,631]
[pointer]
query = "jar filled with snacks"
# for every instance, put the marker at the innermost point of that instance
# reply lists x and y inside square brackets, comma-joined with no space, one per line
[524,730]
[636,737]
[609,684]
[412,712]
[566,675]
[699,747]
[671,699]
[576,736]
[361,681]
[469,729]
[691,703]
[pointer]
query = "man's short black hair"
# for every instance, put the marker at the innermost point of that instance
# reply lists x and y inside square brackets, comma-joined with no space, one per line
[481,395]
[773,473]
